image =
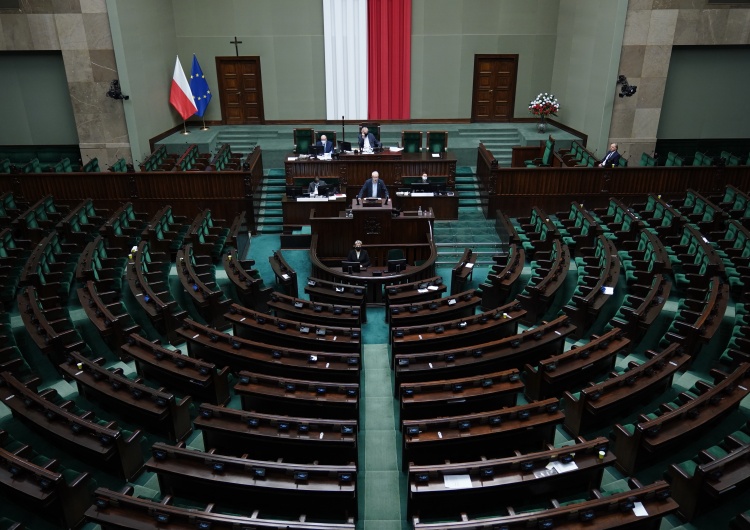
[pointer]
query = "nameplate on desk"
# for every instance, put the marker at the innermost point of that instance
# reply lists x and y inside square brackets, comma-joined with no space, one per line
[312,199]
[423,194]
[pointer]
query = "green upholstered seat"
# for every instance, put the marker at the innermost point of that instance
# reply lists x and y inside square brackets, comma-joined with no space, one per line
[303,139]
[437,141]
[411,141]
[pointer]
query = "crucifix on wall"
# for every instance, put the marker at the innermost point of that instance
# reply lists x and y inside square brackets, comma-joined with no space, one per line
[236,47]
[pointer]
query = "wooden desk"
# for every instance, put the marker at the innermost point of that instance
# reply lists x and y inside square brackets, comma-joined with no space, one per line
[598,403]
[356,169]
[242,354]
[253,325]
[286,276]
[297,211]
[490,434]
[105,445]
[514,479]
[156,409]
[330,269]
[443,206]
[190,376]
[273,436]
[611,511]
[487,391]
[121,510]
[374,225]
[211,477]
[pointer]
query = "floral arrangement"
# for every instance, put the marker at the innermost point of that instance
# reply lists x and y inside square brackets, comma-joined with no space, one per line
[544,105]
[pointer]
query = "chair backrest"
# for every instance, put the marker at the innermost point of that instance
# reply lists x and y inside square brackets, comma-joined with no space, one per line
[548,155]
[303,139]
[411,141]
[92,166]
[395,253]
[437,141]
[623,162]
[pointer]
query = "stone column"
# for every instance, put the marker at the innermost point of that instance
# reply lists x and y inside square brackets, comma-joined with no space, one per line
[80,30]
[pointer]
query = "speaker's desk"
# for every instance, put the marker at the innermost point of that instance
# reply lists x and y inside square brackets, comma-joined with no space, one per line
[353,169]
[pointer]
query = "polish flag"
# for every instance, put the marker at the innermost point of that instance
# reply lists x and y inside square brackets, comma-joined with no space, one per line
[180,95]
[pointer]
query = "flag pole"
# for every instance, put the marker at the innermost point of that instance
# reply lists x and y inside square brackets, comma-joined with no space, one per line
[204,128]
[184,128]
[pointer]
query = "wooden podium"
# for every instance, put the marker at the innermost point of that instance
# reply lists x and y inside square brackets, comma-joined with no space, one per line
[374,223]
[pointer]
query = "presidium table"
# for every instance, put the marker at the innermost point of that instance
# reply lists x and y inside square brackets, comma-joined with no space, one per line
[354,170]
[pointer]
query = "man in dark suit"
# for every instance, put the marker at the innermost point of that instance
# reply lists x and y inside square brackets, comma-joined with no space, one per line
[359,254]
[373,188]
[612,159]
[327,146]
[312,188]
[367,140]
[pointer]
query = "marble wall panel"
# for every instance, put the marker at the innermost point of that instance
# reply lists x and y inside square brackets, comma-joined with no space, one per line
[98,35]
[631,60]
[646,123]
[712,26]
[16,32]
[93,6]
[77,66]
[43,32]
[656,61]
[651,92]
[661,27]
[103,65]
[738,27]
[636,27]
[71,32]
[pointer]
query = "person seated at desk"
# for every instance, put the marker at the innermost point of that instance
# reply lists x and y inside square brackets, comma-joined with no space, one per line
[359,254]
[425,179]
[373,188]
[312,189]
[367,141]
[327,146]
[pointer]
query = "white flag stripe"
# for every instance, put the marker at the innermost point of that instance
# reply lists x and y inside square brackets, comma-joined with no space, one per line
[345,41]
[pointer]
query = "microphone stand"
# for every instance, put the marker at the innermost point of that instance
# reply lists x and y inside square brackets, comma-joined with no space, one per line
[343,130]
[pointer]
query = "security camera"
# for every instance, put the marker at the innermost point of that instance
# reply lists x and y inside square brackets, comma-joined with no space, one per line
[115,92]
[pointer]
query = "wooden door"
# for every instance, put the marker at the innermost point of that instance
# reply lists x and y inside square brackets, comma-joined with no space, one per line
[494,93]
[240,90]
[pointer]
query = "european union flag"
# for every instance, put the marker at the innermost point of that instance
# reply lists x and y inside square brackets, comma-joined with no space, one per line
[199,87]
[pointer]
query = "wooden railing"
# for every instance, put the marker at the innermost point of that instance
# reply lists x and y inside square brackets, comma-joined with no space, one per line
[516,190]
[226,193]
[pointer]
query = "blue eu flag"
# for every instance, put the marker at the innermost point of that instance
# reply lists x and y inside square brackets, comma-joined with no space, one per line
[199,87]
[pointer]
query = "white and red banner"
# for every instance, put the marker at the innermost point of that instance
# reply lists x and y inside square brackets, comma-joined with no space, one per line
[368,59]
[180,95]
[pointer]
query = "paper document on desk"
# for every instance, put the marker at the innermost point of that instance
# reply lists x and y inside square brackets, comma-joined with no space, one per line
[455,482]
[421,290]
[395,149]
[285,276]
[432,287]
[435,155]
[469,265]
[291,159]
[561,467]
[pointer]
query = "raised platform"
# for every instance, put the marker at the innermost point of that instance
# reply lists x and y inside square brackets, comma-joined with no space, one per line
[276,140]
